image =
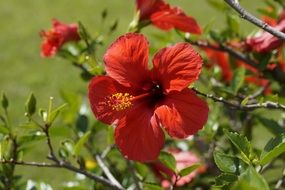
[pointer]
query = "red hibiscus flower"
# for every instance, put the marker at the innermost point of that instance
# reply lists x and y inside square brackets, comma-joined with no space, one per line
[165,17]
[183,159]
[222,60]
[54,38]
[265,42]
[139,100]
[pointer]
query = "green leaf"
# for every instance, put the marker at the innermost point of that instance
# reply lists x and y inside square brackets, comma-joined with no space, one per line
[4,101]
[189,170]
[244,101]
[251,180]
[273,149]
[31,105]
[152,186]
[104,14]
[238,79]
[79,145]
[168,160]
[82,123]
[54,113]
[114,26]
[225,178]
[241,143]
[229,163]
[233,22]
[83,32]
[4,130]
[271,125]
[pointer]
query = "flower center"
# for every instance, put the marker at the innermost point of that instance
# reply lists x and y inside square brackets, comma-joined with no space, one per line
[119,101]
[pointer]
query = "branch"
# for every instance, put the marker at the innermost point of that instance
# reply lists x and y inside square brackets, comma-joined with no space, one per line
[134,176]
[65,165]
[249,17]
[107,171]
[276,73]
[238,106]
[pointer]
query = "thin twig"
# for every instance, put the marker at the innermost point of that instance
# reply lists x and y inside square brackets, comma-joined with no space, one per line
[238,106]
[134,176]
[106,171]
[276,73]
[249,17]
[65,165]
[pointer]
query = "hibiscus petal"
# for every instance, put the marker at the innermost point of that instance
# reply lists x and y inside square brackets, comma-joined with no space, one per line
[100,88]
[147,7]
[177,66]
[167,19]
[126,60]
[139,136]
[182,113]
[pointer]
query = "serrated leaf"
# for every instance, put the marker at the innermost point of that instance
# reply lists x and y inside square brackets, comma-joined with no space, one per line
[189,170]
[31,105]
[273,149]
[241,143]
[79,145]
[251,180]
[4,101]
[229,163]
[271,125]
[238,79]
[168,160]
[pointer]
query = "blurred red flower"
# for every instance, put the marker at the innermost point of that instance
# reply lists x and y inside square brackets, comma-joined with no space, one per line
[165,17]
[139,100]
[222,60]
[183,159]
[59,34]
[265,42]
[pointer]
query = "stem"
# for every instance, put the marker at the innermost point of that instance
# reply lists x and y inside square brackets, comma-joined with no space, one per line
[238,106]
[134,176]
[249,17]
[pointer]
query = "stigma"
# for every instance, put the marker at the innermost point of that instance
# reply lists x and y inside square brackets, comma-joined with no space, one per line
[119,101]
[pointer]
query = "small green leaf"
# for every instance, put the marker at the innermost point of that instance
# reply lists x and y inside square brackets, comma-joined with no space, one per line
[273,149]
[251,180]
[4,130]
[241,143]
[189,170]
[79,145]
[114,26]
[168,160]
[31,105]
[4,101]
[152,186]
[225,178]
[238,80]
[233,23]
[229,163]
[54,113]
[271,125]
[244,101]
[83,32]
[104,14]
[82,123]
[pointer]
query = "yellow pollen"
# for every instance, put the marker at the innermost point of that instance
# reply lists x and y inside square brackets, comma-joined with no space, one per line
[119,101]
